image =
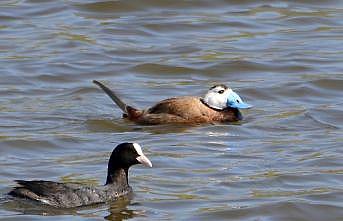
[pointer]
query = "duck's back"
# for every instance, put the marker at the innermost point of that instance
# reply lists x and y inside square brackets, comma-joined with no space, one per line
[181,106]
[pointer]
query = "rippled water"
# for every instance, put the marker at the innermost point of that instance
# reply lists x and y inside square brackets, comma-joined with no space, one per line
[282,162]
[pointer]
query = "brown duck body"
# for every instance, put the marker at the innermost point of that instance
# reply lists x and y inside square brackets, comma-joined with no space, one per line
[178,110]
[189,110]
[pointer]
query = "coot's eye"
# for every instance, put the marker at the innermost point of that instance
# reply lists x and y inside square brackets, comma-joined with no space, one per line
[221,91]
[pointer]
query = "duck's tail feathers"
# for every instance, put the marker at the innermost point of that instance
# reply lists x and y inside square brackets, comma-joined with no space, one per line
[113,96]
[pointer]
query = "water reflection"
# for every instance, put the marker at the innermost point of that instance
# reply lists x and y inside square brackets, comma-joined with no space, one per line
[122,125]
[116,210]
[29,207]
[120,210]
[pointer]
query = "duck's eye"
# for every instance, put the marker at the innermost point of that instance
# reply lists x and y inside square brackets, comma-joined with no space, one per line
[221,91]
[237,101]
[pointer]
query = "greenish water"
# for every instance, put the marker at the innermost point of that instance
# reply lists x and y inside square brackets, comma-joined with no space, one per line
[282,162]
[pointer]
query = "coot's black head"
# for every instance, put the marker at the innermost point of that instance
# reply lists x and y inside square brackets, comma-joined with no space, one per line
[126,155]
[122,157]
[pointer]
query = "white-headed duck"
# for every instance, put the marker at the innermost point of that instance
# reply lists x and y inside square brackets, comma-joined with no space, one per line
[220,104]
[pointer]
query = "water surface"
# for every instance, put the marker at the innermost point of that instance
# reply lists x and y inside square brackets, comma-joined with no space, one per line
[282,162]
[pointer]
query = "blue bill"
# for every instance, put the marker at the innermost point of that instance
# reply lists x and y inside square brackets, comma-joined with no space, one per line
[235,101]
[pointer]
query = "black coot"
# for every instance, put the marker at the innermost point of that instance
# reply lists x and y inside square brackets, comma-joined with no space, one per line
[67,195]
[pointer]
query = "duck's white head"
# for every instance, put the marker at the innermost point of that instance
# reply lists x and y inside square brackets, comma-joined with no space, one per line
[220,97]
[216,97]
